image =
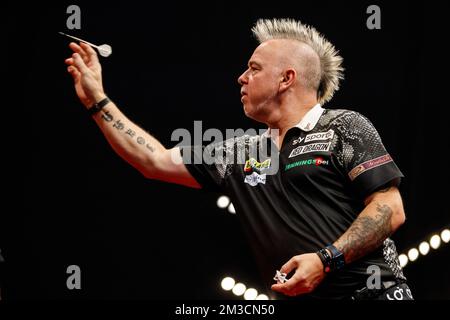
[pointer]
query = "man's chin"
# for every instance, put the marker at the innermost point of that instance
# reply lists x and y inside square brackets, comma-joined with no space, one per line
[247,111]
[250,113]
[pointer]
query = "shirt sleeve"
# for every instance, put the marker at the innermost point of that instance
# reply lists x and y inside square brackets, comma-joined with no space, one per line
[209,165]
[366,161]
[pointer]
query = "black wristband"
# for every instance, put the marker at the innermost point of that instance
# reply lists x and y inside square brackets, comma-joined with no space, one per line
[98,106]
[326,259]
[322,258]
[331,258]
[337,259]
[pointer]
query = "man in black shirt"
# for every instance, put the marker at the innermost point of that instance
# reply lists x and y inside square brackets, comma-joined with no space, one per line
[323,207]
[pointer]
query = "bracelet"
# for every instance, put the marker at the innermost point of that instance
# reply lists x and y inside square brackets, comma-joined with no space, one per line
[326,259]
[332,262]
[98,106]
[337,260]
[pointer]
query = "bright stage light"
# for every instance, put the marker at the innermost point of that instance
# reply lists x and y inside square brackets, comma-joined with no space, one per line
[403,260]
[227,283]
[435,241]
[231,209]
[250,294]
[223,202]
[424,248]
[239,289]
[445,235]
[413,254]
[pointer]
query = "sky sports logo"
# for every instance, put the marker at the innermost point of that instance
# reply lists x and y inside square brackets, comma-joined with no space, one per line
[319,136]
[307,162]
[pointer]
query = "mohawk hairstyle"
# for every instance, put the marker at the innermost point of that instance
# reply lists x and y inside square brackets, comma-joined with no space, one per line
[330,61]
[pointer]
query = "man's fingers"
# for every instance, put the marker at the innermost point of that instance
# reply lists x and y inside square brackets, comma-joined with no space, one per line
[78,49]
[289,266]
[90,51]
[79,63]
[74,72]
[277,287]
[69,61]
[287,288]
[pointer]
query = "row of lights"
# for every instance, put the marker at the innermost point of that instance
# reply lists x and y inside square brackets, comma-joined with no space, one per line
[424,247]
[240,289]
[224,202]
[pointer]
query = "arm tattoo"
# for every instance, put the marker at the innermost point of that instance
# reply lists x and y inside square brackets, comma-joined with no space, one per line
[140,140]
[130,132]
[118,125]
[107,116]
[366,233]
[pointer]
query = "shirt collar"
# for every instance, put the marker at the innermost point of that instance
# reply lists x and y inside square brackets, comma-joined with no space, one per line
[311,118]
[307,123]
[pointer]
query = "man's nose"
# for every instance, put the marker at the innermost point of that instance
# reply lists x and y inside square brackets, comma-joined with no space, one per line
[242,78]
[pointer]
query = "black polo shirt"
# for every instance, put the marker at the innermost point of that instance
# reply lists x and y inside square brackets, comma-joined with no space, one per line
[327,165]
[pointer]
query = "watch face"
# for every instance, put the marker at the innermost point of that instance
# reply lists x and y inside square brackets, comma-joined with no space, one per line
[339,261]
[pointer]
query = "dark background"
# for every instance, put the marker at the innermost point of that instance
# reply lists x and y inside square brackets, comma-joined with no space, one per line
[172,63]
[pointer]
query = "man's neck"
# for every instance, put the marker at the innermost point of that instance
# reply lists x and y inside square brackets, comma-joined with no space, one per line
[289,115]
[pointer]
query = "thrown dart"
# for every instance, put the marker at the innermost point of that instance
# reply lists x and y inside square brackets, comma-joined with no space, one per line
[104,49]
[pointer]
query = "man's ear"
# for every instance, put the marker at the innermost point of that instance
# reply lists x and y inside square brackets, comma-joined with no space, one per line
[288,79]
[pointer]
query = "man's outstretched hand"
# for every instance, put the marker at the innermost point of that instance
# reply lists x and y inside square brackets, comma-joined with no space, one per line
[86,72]
[308,274]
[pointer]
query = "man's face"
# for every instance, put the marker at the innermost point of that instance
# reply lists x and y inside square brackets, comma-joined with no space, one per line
[260,82]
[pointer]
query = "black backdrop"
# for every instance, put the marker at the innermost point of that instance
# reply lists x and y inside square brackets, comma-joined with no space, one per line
[172,63]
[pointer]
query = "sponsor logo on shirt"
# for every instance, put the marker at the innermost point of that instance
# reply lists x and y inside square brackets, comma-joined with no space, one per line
[307,162]
[255,178]
[296,141]
[254,171]
[252,165]
[356,171]
[319,136]
[310,148]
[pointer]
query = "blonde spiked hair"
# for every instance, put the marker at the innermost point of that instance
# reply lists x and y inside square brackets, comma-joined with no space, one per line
[330,61]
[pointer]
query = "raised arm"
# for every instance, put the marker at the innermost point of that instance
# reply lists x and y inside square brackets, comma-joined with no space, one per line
[131,142]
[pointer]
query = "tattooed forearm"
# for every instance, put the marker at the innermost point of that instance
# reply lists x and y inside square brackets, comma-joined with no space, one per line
[132,143]
[119,125]
[366,233]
